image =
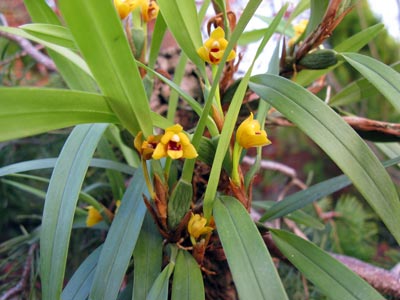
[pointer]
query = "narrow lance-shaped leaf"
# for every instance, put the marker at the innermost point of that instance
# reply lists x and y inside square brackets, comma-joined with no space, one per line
[188,281]
[74,76]
[318,9]
[147,258]
[114,177]
[120,242]
[251,265]
[28,111]
[338,140]
[299,216]
[67,53]
[49,163]
[55,34]
[357,90]
[383,77]
[313,193]
[60,204]
[334,279]
[79,285]
[24,187]
[182,20]
[159,290]
[106,50]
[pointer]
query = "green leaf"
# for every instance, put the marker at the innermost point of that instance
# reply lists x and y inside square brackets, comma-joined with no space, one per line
[41,12]
[147,258]
[75,78]
[338,140]
[297,216]
[115,178]
[24,187]
[223,144]
[55,34]
[106,50]
[79,285]
[305,197]
[120,242]
[188,280]
[313,193]
[159,290]
[391,150]
[60,204]
[383,77]
[67,53]
[352,44]
[179,73]
[356,91]
[28,111]
[360,39]
[252,268]
[182,20]
[254,35]
[318,9]
[156,40]
[130,155]
[334,279]
[48,163]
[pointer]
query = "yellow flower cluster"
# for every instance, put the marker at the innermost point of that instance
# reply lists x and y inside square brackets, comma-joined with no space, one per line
[214,48]
[174,144]
[148,8]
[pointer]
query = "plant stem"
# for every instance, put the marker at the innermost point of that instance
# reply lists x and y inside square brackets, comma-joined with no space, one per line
[237,151]
[147,179]
[167,167]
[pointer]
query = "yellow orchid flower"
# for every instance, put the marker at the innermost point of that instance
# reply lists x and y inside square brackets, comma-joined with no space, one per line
[197,227]
[146,147]
[249,134]
[124,7]
[213,49]
[174,144]
[94,216]
[298,31]
[151,11]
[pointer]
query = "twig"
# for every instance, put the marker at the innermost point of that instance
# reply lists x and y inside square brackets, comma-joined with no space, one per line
[396,270]
[31,50]
[21,285]
[385,281]
[358,123]
[364,124]
[18,55]
[296,230]
[272,165]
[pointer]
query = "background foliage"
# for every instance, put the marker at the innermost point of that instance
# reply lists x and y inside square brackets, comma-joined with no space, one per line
[50,172]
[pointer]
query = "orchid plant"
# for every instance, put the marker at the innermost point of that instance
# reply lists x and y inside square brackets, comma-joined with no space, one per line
[169,231]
